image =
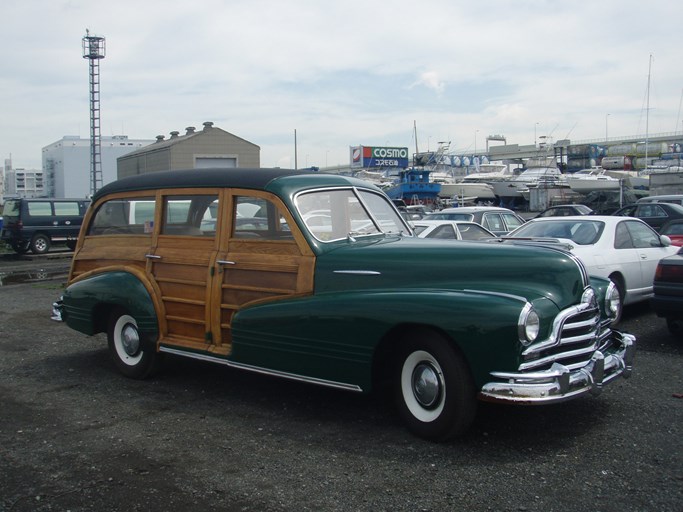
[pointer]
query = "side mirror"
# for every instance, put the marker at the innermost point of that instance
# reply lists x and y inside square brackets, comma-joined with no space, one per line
[666,241]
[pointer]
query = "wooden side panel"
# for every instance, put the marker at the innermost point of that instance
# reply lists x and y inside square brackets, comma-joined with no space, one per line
[182,269]
[116,250]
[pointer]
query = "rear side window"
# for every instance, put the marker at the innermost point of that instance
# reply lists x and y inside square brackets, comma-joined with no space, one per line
[39,209]
[124,216]
[190,215]
[11,208]
[68,208]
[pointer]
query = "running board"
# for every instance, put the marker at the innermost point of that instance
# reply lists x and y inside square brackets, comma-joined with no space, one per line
[265,371]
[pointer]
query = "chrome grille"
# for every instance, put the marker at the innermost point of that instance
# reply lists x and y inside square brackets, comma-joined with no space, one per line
[577,334]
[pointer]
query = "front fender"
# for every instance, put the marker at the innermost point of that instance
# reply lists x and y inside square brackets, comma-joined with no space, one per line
[339,333]
[85,297]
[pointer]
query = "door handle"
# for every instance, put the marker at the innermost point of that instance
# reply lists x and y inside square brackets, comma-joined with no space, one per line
[152,256]
[226,262]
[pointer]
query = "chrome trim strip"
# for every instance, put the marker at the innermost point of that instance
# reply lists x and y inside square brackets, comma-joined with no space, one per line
[265,371]
[358,272]
[496,294]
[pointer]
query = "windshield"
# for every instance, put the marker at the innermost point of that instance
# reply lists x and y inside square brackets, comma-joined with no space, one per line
[582,232]
[341,213]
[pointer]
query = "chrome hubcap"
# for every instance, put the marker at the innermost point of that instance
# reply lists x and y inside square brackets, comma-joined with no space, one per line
[426,385]
[130,340]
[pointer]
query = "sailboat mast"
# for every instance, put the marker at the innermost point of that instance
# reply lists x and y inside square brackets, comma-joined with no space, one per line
[415,134]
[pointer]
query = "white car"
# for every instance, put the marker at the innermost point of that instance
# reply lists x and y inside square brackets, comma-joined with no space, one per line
[623,249]
[451,230]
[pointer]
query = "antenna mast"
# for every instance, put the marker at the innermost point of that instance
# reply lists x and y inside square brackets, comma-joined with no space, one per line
[94,50]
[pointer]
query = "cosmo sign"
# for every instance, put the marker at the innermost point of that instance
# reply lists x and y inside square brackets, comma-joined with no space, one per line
[373,156]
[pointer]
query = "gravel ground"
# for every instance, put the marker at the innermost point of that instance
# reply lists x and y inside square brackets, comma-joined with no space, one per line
[76,435]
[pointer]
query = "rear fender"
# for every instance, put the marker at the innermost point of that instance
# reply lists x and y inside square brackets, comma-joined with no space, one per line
[88,300]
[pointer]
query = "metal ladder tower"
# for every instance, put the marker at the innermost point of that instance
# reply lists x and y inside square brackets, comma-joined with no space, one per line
[94,50]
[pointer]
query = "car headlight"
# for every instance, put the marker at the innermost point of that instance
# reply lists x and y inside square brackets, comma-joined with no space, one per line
[612,301]
[529,325]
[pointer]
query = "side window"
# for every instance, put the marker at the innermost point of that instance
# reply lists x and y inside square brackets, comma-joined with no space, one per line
[189,215]
[493,222]
[657,211]
[645,211]
[627,212]
[622,237]
[39,208]
[68,208]
[473,232]
[124,216]
[260,219]
[512,221]
[643,236]
[443,232]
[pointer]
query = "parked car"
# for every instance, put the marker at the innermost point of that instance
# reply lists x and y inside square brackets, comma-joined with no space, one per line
[36,224]
[667,301]
[623,250]
[451,230]
[566,210]
[353,303]
[674,230]
[498,221]
[655,214]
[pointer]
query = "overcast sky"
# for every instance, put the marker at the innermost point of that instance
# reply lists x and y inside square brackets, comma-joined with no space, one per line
[341,73]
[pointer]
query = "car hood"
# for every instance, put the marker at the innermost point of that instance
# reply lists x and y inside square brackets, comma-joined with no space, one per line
[409,262]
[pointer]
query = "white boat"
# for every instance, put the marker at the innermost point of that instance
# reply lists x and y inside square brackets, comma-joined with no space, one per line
[480,183]
[453,187]
[631,179]
[586,181]
[464,189]
[550,176]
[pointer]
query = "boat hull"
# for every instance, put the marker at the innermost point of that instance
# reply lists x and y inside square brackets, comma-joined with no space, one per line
[478,190]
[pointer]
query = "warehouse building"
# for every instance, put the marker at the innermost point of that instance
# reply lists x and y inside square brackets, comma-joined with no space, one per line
[209,147]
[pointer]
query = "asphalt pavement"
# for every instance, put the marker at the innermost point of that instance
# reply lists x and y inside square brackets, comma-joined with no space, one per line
[76,435]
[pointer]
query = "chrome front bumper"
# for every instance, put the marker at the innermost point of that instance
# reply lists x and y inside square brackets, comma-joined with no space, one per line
[559,383]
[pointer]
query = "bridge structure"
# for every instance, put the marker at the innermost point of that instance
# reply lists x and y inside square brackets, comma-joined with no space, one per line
[520,153]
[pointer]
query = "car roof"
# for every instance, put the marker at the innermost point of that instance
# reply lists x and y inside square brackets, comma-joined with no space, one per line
[430,222]
[249,178]
[568,205]
[662,198]
[473,209]
[672,206]
[608,219]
